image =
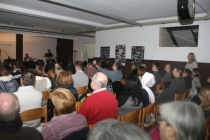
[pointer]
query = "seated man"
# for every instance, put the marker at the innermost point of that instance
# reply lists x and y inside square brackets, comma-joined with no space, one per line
[168,75]
[156,73]
[17,71]
[10,123]
[115,75]
[177,86]
[28,96]
[187,75]
[80,78]
[101,104]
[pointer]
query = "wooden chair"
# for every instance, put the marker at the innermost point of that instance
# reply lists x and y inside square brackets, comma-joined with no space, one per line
[117,118]
[46,95]
[33,114]
[186,93]
[207,128]
[132,116]
[157,110]
[178,96]
[90,126]
[78,106]
[159,87]
[123,82]
[82,90]
[146,111]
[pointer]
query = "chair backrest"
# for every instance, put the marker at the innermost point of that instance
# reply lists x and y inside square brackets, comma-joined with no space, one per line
[159,87]
[178,96]
[123,81]
[78,135]
[33,114]
[186,94]
[78,106]
[207,128]
[146,111]
[46,95]
[132,116]
[82,90]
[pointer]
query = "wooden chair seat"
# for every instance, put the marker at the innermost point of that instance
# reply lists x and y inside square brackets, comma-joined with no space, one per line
[159,87]
[132,116]
[146,111]
[33,114]
[82,90]
[186,93]
[178,97]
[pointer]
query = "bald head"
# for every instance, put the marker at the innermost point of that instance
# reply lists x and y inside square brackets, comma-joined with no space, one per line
[168,68]
[99,81]
[9,107]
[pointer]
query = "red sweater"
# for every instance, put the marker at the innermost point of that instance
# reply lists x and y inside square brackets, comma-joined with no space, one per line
[99,106]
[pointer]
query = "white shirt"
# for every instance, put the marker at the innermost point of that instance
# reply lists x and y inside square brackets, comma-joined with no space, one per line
[191,66]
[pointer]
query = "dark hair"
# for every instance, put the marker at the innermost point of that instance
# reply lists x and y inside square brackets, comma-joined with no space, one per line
[79,65]
[188,72]
[28,78]
[104,64]
[18,64]
[31,65]
[196,70]
[13,62]
[133,88]
[6,62]
[157,65]
[3,71]
[119,66]
[39,71]
[40,62]
[179,70]
[141,71]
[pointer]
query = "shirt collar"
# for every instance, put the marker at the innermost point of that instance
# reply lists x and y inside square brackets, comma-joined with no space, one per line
[98,90]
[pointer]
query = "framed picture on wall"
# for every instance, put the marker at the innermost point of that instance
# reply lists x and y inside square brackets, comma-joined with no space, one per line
[104,54]
[120,52]
[137,54]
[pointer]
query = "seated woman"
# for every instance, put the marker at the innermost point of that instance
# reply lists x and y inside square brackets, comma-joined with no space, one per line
[134,68]
[7,83]
[147,81]
[67,120]
[205,100]
[131,97]
[180,121]
[65,80]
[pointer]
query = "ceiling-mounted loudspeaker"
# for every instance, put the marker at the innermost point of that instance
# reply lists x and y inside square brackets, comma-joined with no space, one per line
[186,9]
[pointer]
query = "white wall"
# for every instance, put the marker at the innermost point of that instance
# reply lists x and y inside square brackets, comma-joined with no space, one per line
[148,36]
[78,46]
[36,46]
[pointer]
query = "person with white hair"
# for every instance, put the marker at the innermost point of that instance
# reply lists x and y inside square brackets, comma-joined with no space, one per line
[10,122]
[181,121]
[101,104]
[114,130]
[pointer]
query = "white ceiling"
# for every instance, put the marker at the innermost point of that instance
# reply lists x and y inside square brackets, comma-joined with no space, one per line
[40,15]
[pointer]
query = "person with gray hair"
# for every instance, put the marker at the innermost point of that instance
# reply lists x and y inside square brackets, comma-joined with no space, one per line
[181,121]
[114,130]
[177,86]
[101,104]
[10,122]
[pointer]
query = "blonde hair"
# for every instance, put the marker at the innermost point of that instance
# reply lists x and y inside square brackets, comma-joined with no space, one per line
[192,57]
[64,78]
[63,100]
[205,92]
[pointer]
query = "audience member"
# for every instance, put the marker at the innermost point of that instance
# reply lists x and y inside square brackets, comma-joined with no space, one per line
[147,80]
[50,65]
[205,100]
[67,121]
[192,63]
[80,78]
[181,121]
[115,130]
[31,66]
[6,63]
[156,73]
[168,75]
[101,104]
[57,65]
[40,62]
[52,78]
[115,75]
[64,80]
[90,70]
[131,97]
[17,71]
[70,66]
[187,75]
[134,68]
[11,64]
[26,58]
[7,83]
[177,86]
[196,84]
[42,83]
[28,96]
[109,86]
[10,122]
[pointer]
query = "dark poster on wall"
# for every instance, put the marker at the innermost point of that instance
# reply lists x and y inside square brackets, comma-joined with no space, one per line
[105,52]
[137,54]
